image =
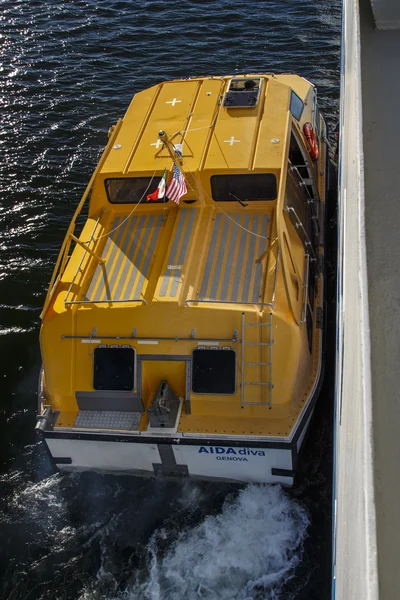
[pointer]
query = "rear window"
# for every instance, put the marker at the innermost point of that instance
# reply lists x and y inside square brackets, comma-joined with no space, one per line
[114,369]
[213,371]
[131,190]
[252,187]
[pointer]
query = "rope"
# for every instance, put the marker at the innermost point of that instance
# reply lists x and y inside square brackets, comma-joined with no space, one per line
[194,129]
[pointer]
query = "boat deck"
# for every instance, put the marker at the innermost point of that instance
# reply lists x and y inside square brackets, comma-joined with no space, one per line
[128,255]
[134,243]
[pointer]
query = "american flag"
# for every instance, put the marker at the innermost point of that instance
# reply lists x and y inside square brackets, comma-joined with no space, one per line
[177,186]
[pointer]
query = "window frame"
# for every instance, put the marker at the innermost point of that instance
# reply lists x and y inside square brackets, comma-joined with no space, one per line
[215,349]
[140,200]
[296,96]
[134,368]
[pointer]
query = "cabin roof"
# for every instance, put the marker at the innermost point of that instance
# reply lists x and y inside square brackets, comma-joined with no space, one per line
[214,137]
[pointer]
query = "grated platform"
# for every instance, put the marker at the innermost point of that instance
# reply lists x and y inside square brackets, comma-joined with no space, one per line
[108,419]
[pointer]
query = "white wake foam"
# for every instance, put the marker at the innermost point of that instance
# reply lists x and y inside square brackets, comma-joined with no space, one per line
[247,551]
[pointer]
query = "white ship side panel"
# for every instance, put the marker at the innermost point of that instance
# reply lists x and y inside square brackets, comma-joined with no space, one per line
[107,456]
[236,463]
[355,546]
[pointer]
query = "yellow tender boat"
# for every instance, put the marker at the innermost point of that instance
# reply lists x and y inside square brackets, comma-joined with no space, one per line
[183,335]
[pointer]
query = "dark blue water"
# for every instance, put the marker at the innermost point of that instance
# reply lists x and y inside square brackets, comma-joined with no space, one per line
[68,71]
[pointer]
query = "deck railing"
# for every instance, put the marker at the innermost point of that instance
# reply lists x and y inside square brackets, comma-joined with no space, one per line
[63,255]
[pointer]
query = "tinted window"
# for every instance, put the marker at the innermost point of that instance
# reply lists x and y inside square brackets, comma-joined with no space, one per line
[260,186]
[309,325]
[296,106]
[131,190]
[114,369]
[297,198]
[214,371]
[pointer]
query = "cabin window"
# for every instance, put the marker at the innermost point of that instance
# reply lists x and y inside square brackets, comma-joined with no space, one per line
[114,369]
[312,285]
[213,371]
[297,201]
[131,190]
[248,187]
[296,158]
[299,212]
[296,106]
[309,325]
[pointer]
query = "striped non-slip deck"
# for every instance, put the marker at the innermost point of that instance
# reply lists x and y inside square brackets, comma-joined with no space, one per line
[171,277]
[231,273]
[129,254]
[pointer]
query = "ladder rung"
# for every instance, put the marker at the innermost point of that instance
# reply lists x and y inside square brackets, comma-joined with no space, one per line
[253,364]
[257,383]
[257,324]
[257,344]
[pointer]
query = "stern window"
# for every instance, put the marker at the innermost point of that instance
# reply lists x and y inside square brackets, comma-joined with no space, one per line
[114,369]
[213,371]
[258,186]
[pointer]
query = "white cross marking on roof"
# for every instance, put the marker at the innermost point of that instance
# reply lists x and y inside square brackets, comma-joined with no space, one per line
[157,144]
[232,141]
[173,102]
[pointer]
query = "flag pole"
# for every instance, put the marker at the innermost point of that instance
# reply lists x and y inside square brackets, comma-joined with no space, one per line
[174,154]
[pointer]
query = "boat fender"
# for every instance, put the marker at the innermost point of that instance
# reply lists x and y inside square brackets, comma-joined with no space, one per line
[311,140]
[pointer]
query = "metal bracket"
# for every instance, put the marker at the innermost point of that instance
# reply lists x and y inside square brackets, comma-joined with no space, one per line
[192,334]
[235,335]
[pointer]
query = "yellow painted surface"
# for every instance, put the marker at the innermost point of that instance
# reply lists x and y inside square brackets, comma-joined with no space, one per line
[177,275]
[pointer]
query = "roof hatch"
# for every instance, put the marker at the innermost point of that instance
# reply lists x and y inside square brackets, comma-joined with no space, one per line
[242,93]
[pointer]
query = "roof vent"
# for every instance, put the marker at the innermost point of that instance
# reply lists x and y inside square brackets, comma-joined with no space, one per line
[242,93]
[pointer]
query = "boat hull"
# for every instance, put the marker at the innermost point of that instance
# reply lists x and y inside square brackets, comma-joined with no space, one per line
[241,460]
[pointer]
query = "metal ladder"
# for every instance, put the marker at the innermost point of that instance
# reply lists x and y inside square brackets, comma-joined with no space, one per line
[268,344]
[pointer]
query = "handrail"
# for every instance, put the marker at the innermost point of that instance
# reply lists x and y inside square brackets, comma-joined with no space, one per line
[311,200]
[194,301]
[233,339]
[275,278]
[305,289]
[109,301]
[300,224]
[87,250]
[263,257]
[62,258]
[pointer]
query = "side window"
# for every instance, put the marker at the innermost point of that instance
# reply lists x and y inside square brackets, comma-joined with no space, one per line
[296,106]
[309,326]
[296,157]
[296,204]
